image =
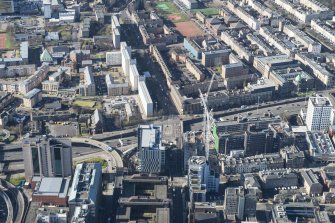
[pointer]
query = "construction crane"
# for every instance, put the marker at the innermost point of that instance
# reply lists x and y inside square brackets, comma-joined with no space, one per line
[208,120]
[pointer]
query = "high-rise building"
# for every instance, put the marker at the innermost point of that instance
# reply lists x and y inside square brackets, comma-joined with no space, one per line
[116,38]
[125,57]
[47,9]
[203,177]
[234,202]
[151,151]
[145,99]
[197,178]
[240,203]
[318,113]
[47,157]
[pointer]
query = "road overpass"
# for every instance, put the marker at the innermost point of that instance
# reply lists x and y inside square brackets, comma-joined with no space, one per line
[15,201]
[9,205]
[117,162]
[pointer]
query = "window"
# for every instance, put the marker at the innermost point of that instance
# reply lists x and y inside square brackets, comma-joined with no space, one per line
[58,161]
[35,160]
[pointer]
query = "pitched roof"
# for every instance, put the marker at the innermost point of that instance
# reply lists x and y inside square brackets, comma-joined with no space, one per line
[46,56]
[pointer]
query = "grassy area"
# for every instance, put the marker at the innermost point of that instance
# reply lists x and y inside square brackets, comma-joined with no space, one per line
[9,41]
[94,160]
[88,104]
[16,180]
[207,11]
[58,28]
[98,56]
[85,43]
[218,69]
[308,94]
[168,9]
[66,35]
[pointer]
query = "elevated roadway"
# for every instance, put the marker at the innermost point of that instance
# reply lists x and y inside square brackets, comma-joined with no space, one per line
[16,200]
[9,205]
[114,155]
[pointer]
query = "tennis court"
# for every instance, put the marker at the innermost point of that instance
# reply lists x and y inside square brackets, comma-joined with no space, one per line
[3,40]
[170,12]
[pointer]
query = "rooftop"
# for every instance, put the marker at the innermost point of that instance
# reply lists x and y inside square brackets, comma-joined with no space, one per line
[309,177]
[321,143]
[52,186]
[321,101]
[86,183]
[150,136]
[32,93]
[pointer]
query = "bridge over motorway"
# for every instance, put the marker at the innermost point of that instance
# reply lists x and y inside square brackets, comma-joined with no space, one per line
[114,155]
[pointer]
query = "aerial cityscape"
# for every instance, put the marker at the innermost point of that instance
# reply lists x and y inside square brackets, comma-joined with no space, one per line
[167,111]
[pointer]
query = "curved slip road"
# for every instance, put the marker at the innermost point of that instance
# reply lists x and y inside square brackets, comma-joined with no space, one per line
[115,157]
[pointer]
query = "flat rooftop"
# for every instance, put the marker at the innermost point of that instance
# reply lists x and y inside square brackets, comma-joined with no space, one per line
[53,186]
[321,101]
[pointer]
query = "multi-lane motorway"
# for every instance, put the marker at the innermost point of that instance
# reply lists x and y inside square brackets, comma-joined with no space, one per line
[11,155]
[276,110]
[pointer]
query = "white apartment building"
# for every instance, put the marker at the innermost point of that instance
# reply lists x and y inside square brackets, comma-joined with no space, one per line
[145,99]
[87,85]
[125,57]
[116,38]
[133,77]
[47,9]
[318,113]
[115,22]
